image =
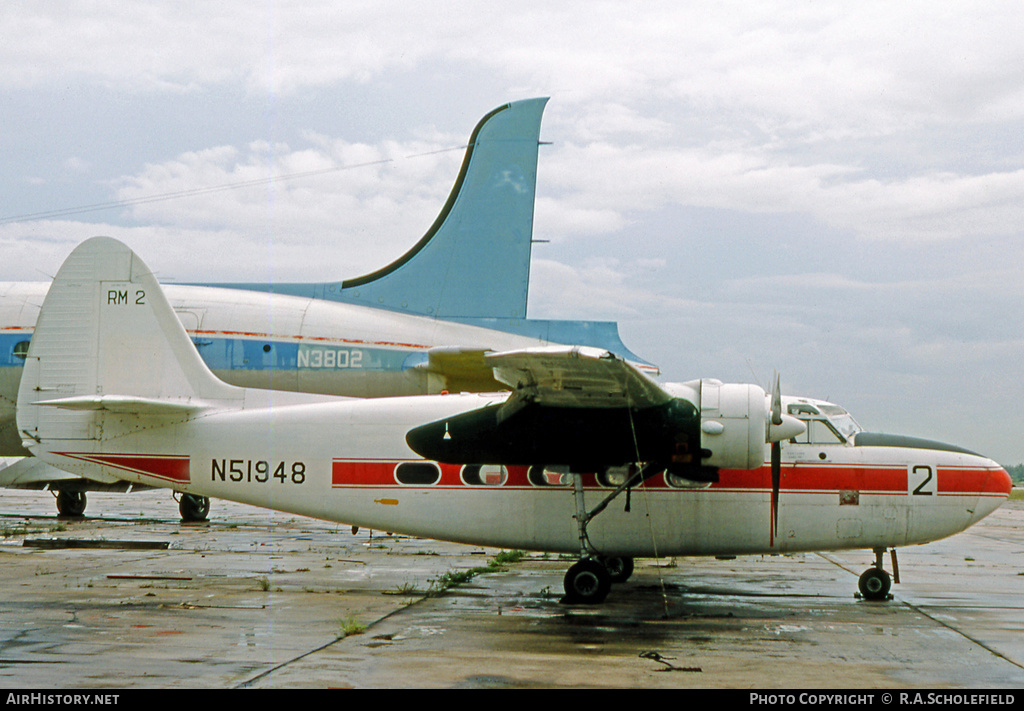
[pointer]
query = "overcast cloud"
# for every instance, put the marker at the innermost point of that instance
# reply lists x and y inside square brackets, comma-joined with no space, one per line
[833,190]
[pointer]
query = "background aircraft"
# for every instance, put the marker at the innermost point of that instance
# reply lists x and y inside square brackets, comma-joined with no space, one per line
[418,325]
[120,391]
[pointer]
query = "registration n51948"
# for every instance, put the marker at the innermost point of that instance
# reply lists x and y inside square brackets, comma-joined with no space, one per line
[257,470]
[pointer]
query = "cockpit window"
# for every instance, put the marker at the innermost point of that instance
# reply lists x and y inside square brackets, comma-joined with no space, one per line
[826,409]
[846,425]
[826,423]
[820,432]
[799,408]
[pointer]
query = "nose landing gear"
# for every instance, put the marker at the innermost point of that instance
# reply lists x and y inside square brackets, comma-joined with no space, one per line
[875,583]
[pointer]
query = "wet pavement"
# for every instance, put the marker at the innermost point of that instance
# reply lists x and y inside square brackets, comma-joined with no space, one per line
[130,597]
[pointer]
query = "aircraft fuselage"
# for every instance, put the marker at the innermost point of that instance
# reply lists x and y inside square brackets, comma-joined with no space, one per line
[358,470]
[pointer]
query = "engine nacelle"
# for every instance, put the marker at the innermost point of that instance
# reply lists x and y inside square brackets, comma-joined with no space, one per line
[733,421]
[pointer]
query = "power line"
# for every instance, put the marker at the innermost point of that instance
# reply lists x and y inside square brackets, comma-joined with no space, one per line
[95,207]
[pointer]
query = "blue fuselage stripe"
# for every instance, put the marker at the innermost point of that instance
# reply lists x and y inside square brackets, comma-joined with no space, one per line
[262,354]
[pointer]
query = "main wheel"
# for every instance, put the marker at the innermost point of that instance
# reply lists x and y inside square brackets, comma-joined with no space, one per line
[587,582]
[194,508]
[71,503]
[619,568]
[874,584]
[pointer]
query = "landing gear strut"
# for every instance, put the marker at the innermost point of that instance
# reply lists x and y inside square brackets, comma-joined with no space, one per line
[589,580]
[874,583]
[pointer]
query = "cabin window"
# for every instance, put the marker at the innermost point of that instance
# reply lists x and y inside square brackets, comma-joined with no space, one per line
[417,473]
[681,482]
[613,477]
[484,475]
[540,475]
[21,350]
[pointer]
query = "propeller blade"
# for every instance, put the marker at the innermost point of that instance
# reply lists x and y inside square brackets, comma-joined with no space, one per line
[776,402]
[776,480]
[782,427]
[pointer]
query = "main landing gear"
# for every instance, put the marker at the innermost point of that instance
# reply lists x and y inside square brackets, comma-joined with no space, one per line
[589,580]
[193,508]
[874,583]
[71,504]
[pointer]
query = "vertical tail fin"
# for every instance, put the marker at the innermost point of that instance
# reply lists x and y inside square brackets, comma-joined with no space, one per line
[107,339]
[474,261]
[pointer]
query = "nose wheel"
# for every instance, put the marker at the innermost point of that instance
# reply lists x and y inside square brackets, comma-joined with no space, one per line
[875,583]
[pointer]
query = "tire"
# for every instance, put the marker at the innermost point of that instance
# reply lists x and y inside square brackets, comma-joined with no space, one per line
[619,568]
[587,583]
[194,508]
[71,504]
[874,584]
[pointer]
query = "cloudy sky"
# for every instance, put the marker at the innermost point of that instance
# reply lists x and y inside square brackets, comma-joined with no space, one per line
[831,190]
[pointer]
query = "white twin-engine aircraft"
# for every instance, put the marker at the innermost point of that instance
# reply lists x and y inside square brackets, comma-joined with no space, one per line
[113,387]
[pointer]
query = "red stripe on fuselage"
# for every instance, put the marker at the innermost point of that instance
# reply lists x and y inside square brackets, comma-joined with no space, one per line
[796,479]
[815,477]
[171,468]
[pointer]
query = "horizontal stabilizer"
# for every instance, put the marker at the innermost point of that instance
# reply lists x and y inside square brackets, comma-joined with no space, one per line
[33,473]
[126,404]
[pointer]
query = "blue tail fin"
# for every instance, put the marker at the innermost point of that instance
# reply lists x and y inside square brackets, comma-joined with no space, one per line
[474,261]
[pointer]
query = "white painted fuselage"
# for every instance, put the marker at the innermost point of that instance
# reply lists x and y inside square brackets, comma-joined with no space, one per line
[347,461]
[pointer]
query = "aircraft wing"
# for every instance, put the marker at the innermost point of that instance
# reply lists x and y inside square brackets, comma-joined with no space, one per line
[570,376]
[577,406]
[462,369]
[577,376]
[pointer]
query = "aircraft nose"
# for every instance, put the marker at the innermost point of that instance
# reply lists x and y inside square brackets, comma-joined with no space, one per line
[998,483]
[964,477]
[994,490]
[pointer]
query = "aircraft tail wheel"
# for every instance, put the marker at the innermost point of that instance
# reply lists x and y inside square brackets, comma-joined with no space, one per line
[194,508]
[71,504]
[587,582]
[619,568]
[874,584]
